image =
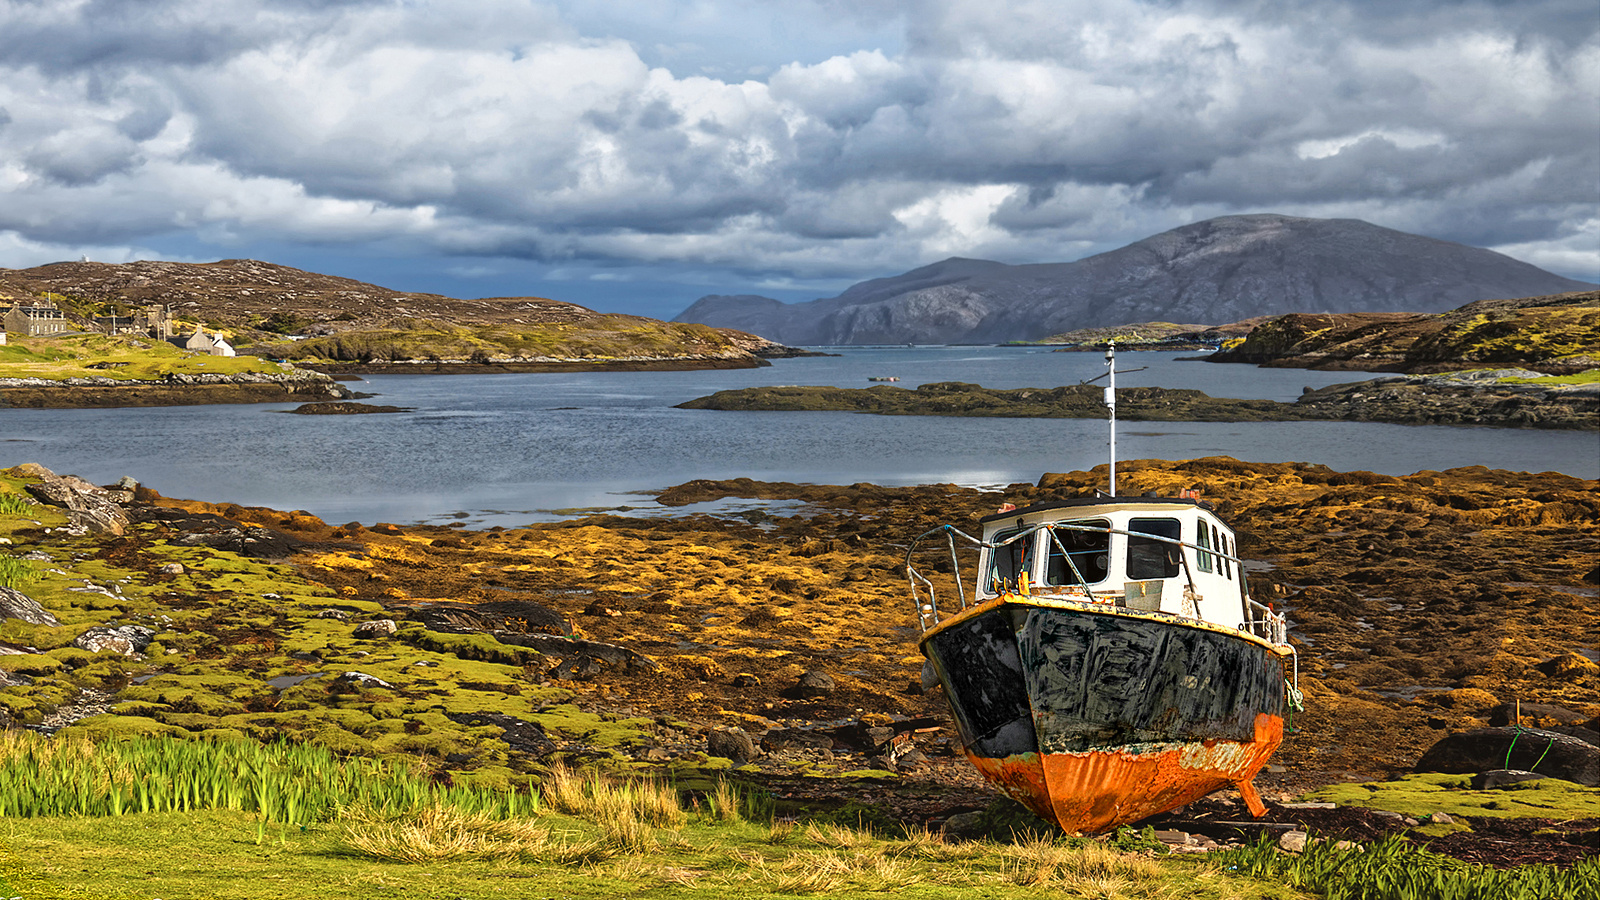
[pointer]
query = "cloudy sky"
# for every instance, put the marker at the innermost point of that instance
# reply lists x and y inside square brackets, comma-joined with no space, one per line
[633,155]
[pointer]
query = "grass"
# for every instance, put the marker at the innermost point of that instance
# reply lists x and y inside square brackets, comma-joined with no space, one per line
[1396,869]
[119,357]
[1422,795]
[1591,376]
[239,819]
[17,573]
[236,819]
[601,338]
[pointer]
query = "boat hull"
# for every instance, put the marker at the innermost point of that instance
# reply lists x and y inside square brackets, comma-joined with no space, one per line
[1093,716]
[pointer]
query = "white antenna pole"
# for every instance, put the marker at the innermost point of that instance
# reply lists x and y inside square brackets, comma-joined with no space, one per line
[1111,404]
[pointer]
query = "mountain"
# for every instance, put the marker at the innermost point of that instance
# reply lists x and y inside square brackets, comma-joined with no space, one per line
[1219,270]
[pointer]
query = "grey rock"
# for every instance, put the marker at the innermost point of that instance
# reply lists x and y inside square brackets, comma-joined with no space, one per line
[89,509]
[1550,753]
[363,679]
[14,604]
[127,640]
[1216,271]
[964,825]
[732,743]
[171,569]
[1293,841]
[1441,818]
[375,629]
[811,686]
[330,613]
[1499,778]
[600,656]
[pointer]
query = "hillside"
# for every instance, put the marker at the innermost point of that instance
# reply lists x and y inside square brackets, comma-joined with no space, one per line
[260,304]
[1558,334]
[1219,270]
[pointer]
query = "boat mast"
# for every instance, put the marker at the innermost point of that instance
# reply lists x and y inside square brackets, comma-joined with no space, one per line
[1111,404]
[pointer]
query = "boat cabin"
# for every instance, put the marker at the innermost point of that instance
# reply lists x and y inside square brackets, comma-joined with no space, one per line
[1146,554]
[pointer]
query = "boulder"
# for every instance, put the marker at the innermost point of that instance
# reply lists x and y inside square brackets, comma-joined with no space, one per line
[171,569]
[89,508]
[579,657]
[1568,666]
[127,640]
[1499,778]
[1549,753]
[376,629]
[1542,714]
[1293,841]
[521,735]
[362,680]
[732,743]
[14,604]
[812,685]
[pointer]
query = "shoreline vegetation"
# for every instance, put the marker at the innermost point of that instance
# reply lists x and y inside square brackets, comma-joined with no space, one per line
[1512,398]
[350,701]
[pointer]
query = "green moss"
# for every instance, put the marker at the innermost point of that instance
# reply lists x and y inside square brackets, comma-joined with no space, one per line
[1423,795]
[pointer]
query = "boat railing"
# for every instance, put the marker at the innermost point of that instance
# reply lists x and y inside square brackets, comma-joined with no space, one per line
[1260,620]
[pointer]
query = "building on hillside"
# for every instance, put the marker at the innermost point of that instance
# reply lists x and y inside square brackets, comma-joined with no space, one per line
[152,320]
[36,317]
[201,342]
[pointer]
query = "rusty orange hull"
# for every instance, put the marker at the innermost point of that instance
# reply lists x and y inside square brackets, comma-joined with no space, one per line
[1094,719]
[1096,790]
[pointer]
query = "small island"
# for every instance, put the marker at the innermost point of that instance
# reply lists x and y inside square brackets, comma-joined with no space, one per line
[1504,398]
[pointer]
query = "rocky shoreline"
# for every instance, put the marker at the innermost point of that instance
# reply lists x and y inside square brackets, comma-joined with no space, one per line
[778,644]
[1468,398]
[496,366]
[179,389]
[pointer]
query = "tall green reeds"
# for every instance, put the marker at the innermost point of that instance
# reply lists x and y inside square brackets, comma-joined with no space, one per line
[1396,869]
[287,784]
[16,573]
[14,505]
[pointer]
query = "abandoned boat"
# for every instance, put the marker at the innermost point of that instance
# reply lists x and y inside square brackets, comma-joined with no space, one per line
[1108,663]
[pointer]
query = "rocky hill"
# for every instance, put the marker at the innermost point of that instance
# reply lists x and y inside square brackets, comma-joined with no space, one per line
[1219,270]
[1558,334]
[346,321]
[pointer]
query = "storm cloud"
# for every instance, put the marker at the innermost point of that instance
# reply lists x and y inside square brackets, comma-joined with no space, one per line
[728,144]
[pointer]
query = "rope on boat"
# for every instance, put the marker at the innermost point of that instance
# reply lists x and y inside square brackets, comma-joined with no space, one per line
[1294,700]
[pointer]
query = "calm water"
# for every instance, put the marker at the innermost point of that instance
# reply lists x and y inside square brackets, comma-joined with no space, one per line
[510,449]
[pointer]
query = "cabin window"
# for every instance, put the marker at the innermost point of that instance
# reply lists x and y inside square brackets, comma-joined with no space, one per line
[1149,558]
[1008,561]
[1203,541]
[1221,541]
[1088,550]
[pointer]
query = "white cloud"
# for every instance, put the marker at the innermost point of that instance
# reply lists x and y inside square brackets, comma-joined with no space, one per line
[888,133]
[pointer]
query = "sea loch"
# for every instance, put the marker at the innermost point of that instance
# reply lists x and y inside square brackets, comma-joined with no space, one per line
[512,449]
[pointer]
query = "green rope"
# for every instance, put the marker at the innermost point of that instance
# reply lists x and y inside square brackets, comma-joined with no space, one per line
[1516,733]
[1542,755]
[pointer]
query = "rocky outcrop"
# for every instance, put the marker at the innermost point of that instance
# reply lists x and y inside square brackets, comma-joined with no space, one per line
[1465,398]
[1476,398]
[1550,753]
[14,604]
[179,389]
[338,408]
[126,640]
[90,509]
[1219,270]
[1556,334]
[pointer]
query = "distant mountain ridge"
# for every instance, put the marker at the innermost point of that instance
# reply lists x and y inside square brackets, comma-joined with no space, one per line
[1220,270]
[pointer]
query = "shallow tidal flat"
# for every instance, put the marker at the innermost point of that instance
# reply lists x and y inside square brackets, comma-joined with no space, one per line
[1419,604]
[1415,400]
